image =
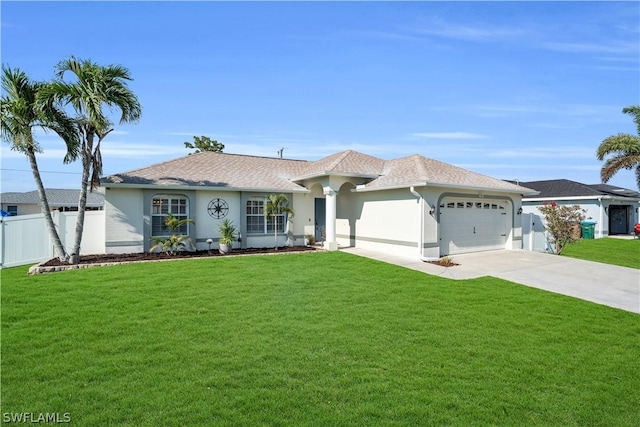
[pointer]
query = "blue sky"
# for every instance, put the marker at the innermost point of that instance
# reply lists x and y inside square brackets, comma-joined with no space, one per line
[514,90]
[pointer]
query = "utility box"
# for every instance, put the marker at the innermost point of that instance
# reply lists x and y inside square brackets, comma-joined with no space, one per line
[588,229]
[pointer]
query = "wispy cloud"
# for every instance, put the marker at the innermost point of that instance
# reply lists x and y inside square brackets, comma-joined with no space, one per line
[478,32]
[449,135]
[613,47]
[575,110]
[124,149]
[556,152]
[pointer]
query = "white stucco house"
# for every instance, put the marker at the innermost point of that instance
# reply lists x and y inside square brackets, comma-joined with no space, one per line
[615,210]
[412,206]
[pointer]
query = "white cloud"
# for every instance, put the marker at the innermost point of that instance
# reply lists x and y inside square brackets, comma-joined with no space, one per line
[566,152]
[479,32]
[613,47]
[449,135]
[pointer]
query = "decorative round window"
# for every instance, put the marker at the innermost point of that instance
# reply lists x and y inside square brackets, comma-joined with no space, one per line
[218,208]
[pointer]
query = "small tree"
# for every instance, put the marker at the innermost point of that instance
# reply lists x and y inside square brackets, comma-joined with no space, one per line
[204,143]
[175,242]
[277,205]
[560,221]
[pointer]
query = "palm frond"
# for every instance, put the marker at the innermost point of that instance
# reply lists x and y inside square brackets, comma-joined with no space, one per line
[617,163]
[634,111]
[620,143]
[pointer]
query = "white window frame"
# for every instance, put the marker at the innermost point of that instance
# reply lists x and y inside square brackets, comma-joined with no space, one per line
[259,223]
[176,204]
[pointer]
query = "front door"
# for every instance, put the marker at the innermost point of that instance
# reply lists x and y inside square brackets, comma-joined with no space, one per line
[320,213]
[618,222]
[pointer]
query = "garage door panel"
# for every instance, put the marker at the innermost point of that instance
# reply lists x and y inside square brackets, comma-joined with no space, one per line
[472,225]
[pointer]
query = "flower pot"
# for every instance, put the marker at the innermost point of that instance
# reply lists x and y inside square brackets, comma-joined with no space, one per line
[224,249]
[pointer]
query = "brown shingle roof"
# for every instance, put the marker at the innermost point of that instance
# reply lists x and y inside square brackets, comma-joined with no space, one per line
[210,169]
[347,162]
[233,171]
[418,170]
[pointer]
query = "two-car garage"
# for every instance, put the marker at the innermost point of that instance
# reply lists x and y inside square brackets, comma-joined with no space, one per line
[473,224]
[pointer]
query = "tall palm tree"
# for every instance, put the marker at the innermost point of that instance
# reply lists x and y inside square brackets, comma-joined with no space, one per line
[623,148]
[277,205]
[21,115]
[93,88]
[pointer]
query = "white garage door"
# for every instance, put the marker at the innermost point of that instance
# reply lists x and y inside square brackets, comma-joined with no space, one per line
[472,225]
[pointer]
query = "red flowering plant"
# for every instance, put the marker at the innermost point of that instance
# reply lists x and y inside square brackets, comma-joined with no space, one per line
[560,222]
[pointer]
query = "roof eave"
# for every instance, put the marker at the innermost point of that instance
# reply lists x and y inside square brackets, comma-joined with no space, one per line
[108,185]
[364,188]
[328,173]
[600,197]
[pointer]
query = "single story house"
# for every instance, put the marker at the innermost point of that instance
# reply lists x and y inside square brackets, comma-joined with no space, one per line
[615,210]
[413,206]
[63,200]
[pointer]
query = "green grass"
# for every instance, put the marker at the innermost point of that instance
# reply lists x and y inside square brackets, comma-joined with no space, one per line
[622,252]
[321,339]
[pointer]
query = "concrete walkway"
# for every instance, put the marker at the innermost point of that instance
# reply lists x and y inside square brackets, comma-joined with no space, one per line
[591,281]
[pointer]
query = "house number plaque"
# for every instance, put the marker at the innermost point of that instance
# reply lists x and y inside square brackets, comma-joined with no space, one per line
[218,208]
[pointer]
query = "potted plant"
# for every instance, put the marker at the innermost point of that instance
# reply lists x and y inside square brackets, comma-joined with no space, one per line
[227,236]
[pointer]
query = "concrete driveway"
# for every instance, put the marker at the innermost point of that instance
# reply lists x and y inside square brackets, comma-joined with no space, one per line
[591,281]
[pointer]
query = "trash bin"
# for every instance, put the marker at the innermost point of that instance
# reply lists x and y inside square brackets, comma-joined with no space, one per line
[588,229]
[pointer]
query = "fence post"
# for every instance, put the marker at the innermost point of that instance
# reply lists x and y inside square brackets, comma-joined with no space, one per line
[2,223]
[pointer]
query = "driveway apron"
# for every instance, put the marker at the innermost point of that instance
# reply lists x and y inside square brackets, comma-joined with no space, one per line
[604,284]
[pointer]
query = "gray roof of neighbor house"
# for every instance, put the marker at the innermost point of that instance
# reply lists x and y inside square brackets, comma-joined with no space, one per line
[55,196]
[559,188]
[233,171]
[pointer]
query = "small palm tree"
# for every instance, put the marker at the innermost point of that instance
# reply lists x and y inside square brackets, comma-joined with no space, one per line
[94,87]
[21,114]
[623,148]
[228,233]
[277,205]
[175,242]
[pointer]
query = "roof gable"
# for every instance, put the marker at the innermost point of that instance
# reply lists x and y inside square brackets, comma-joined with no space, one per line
[351,163]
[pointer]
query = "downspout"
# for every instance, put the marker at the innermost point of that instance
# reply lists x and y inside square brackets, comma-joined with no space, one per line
[420,224]
[601,218]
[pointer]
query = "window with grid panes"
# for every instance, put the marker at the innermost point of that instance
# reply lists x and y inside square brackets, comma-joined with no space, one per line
[161,205]
[257,222]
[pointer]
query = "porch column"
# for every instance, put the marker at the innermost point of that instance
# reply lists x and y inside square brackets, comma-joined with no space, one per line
[330,196]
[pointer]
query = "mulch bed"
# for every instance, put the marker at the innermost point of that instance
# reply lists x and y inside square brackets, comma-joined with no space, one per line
[115,258]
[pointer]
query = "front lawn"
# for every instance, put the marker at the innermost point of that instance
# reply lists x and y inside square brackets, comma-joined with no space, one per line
[623,252]
[309,339]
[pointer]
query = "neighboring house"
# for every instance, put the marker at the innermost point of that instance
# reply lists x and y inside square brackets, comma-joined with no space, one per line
[613,209]
[62,200]
[412,206]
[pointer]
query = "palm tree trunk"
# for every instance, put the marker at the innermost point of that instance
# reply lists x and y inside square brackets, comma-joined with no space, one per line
[82,201]
[275,231]
[44,203]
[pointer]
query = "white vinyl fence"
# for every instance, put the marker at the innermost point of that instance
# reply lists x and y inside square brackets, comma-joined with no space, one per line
[24,239]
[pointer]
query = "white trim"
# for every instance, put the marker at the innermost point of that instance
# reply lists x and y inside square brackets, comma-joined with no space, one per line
[362,188]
